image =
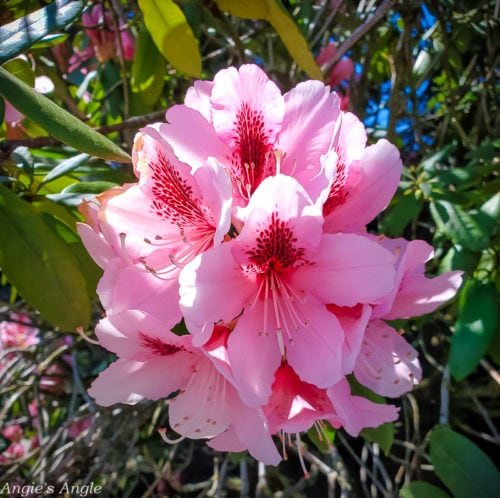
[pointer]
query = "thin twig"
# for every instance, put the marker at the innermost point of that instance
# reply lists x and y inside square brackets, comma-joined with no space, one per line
[359,32]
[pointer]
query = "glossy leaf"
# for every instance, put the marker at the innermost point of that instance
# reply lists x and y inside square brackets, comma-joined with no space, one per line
[422,489]
[489,213]
[462,466]
[19,35]
[293,40]
[40,265]
[148,69]
[58,122]
[475,326]
[65,167]
[461,227]
[405,209]
[285,26]
[246,9]
[172,35]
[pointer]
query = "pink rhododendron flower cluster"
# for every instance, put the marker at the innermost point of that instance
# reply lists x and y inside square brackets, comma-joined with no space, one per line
[107,39]
[247,225]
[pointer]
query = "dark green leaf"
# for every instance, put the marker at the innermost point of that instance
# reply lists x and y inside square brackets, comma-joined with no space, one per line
[463,467]
[458,225]
[40,265]
[421,489]
[58,122]
[489,213]
[406,208]
[476,324]
[383,435]
[19,35]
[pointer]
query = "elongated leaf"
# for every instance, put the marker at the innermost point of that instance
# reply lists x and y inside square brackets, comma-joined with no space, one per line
[58,122]
[148,69]
[463,467]
[246,9]
[40,265]
[65,167]
[285,26]
[421,489]
[292,38]
[19,35]
[172,35]
[476,324]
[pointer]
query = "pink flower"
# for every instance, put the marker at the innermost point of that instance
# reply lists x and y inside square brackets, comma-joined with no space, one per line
[295,406]
[278,276]
[13,432]
[16,333]
[100,28]
[414,293]
[341,71]
[242,119]
[366,178]
[153,363]
[387,364]
[143,234]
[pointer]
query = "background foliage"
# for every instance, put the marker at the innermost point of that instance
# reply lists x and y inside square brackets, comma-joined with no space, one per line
[426,77]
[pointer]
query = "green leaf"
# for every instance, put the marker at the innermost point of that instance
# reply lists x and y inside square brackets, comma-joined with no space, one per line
[246,9]
[489,213]
[18,36]
[475,326]
[324,440]
[148,69]
[461,227]
[89,269]
[422,489]
[406,209]
[383,435]
[65,167]
[58,122]
[463,467]
[285,26]
[21,69]
[40,265]
[293,40]
[458,258]
[172,35]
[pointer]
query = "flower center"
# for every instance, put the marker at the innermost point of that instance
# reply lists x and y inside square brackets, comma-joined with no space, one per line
[252,159]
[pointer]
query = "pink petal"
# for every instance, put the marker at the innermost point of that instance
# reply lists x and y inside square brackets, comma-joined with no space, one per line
[311,112]
[378,173]
[295,405]
[192,137]
[126,381]
[251,86]
[100,251]
[212,289]
[254,356]
[348,269]
[198,98]
[127,287]
[138,336]
[353,322]
[314,350]
[419,295]
[387,364]
[355,413]
[201,409]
